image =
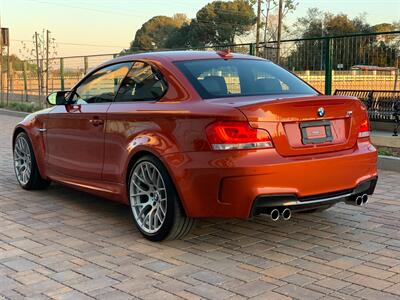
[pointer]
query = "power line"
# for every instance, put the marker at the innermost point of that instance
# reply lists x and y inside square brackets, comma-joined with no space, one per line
[230,12]
[79,7]
[75,44]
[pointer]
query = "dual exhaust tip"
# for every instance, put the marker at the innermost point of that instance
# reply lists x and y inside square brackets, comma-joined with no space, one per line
[285,214]
[276,214]
[361,200]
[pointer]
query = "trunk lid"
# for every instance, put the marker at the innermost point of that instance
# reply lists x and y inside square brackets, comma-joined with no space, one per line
[298,128]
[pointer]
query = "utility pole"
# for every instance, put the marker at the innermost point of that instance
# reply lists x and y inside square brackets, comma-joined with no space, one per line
[268,3]
[258,26]
[4,42]
[39,71]
[278,49]
[8,71]
[47,61]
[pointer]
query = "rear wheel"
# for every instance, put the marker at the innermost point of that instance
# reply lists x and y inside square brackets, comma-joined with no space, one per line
[154,202]
[25,166]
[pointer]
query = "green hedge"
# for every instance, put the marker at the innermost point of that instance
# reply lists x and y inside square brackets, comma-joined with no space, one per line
[21,106]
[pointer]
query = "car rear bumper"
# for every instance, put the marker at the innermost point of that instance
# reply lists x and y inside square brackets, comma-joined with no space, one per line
[231,183]
[264,203]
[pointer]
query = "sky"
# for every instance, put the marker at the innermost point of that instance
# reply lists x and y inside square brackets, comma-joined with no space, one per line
[83,27]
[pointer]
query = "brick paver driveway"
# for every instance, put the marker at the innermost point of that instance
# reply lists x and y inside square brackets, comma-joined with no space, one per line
[64,244]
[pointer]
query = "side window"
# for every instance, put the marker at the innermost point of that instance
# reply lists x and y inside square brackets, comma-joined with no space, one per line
[102,85]
[141,84]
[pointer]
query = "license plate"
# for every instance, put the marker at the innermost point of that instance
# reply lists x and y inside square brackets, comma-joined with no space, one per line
[316,132]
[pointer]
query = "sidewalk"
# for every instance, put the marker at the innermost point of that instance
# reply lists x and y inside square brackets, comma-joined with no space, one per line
[385,138]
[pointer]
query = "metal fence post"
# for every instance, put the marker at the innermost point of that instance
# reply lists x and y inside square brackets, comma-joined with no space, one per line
[62,73]
[252,49]
[328,66]
[1,78]
[25,81]
[86,64]
[9,80]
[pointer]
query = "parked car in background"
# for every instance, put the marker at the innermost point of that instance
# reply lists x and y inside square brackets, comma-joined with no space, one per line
[184,135]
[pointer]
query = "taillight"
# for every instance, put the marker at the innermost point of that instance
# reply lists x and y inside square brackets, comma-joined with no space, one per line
[237,135]
[364,128]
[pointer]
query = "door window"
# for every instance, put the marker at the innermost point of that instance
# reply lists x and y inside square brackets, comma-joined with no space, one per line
[142,83]
[101,86]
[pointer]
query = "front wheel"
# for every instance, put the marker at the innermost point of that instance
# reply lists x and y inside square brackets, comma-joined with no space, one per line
[25,166]
[154,202]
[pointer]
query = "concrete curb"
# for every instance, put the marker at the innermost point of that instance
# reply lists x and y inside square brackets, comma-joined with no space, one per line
[13,113]
[389,163]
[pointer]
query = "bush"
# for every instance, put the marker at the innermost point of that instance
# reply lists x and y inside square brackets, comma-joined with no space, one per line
[388,151]
[21,106]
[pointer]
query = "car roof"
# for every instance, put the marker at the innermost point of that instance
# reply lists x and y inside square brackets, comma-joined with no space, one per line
[172,56]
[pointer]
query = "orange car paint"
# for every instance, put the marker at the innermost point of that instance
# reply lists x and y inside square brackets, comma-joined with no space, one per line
[210,183]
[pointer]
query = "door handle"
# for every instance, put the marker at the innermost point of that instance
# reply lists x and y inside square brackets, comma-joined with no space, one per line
[96,121]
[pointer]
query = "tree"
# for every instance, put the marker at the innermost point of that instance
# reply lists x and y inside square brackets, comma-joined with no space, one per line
[36,54]
[27,51]
[181,37]
[16,62]
[272,27]
[317,23]
[216,23]
[154,33]
[220,22]
[310,54]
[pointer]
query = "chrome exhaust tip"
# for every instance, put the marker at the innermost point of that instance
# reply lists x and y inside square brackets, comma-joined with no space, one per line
[359,201]
[286,214]
[274,215]
[364,199]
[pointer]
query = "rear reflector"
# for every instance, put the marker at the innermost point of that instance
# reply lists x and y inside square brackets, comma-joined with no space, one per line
[237,135]
[364,129]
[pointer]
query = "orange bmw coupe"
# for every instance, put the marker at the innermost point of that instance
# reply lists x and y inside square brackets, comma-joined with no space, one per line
[184,135]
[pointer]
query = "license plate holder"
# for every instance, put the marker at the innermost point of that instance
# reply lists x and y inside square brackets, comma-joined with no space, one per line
[305,127]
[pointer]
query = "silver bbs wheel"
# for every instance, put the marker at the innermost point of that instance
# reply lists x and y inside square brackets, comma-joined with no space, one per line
[148,197]
[22,160]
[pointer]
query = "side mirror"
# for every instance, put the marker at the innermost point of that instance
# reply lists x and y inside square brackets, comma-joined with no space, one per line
[57,98]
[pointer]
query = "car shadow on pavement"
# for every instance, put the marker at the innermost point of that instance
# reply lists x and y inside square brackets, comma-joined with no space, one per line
[78,210]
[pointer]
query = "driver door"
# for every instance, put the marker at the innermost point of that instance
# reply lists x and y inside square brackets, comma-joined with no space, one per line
[75,131]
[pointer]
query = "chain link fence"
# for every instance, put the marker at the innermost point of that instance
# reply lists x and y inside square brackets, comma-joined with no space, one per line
[32,81]
[358,62]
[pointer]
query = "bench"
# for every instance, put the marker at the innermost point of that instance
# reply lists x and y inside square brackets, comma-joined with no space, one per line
[383,106]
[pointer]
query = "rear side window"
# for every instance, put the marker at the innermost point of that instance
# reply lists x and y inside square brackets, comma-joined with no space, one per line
[215,78]
[142,83]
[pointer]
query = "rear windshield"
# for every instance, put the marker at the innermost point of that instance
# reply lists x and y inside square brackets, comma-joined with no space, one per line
[216,78]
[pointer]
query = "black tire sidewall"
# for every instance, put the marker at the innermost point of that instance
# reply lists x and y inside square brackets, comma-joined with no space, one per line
[172,197]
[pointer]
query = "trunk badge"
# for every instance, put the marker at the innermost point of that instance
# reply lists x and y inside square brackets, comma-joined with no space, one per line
[321,112]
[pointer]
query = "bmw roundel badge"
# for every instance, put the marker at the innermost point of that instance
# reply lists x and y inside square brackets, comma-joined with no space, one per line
[321,112]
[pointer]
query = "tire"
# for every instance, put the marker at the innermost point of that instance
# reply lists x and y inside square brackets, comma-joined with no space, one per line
[25,166]
[155,205]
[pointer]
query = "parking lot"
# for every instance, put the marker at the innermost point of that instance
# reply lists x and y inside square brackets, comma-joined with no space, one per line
[64,244]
